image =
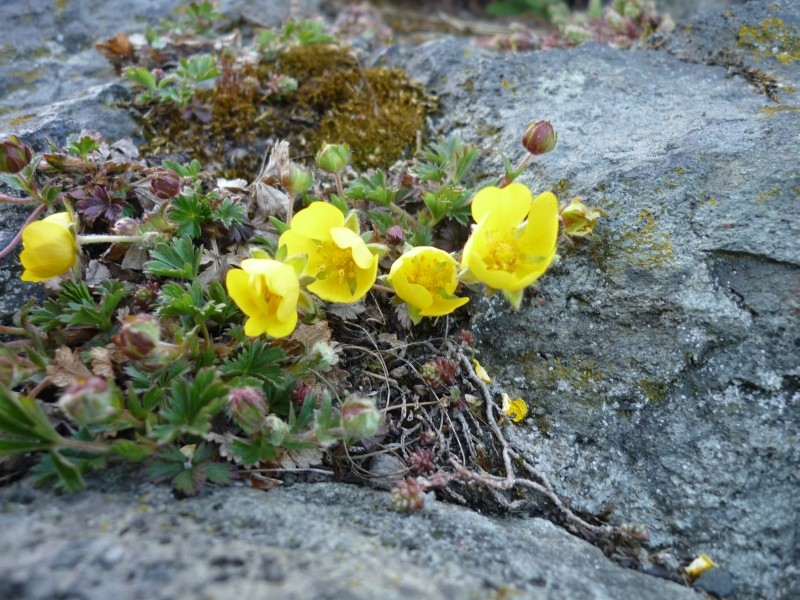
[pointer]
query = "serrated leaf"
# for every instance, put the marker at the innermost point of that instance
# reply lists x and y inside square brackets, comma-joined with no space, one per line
[178,260]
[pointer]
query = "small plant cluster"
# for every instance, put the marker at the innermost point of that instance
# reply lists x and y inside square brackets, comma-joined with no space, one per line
[620,23]
[210,328]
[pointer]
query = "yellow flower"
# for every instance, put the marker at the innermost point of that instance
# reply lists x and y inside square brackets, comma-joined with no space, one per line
[340,261]
[267,292]
[425,279]
[514,240]
[516,409]
[48,247]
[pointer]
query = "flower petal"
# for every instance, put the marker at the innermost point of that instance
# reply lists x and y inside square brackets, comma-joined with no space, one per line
[238,283]
[541,233]
[509,205]
[345,238]
[411,293]
[443,306]
[316,220]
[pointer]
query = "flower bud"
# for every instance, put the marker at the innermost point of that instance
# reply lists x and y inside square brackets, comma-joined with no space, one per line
[125,226]
[247,407]
[578,219]
[295,180]
[88,401]
[360,417]
[333,157]
[165,184]
[321,357]
[395,235]
[138,336]
[539,137]
[275,429]
[14,155]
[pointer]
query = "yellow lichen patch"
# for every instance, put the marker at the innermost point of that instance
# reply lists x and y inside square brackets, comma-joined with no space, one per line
[772,38]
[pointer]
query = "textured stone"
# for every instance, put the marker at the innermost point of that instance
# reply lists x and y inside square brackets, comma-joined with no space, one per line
[305,541]
[661,363]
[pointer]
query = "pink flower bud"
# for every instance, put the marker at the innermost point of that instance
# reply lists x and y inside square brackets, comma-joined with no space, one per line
[539,137]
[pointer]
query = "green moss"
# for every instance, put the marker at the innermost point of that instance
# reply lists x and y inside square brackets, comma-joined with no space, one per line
[561,189]
[655,391]
[378,111]
[764,197]
[22,119]
[581,373]
[643,246]
[771,38]
[780,108]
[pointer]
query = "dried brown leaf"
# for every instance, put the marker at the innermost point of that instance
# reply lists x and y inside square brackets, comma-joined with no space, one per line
[308,335]
[103,361]
[67,368]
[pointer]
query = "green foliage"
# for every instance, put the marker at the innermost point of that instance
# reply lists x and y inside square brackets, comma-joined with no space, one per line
[178,87]
[190,406]
[76,306]
[258,360]
[373,188]
[190,211]
[189,471]
[191,169]
[296,33]
[553,10]
[195,307]
[178,259]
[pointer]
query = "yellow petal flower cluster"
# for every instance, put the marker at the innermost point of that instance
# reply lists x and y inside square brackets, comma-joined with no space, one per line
[49,248]
[267,292]
[514,240]
[344,267]
[425,278]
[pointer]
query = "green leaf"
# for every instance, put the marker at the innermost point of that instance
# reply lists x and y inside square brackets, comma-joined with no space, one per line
[190,211]
[191,405]
[278,224]
[372,188]
[131,451]
[178,259]
[256,359]
[69,474]
[141,76]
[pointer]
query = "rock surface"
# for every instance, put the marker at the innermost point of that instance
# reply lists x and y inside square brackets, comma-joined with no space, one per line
[328,541]
[660,364]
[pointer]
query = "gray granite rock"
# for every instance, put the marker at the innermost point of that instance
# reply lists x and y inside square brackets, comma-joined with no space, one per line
[660,364]
[316,541]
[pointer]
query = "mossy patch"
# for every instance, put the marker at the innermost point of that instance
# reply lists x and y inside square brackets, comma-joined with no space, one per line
[379,111]
[643,245]
[581,373]
[655,391]
[771,38]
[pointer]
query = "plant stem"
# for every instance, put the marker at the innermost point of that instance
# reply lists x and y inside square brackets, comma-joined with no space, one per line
[13,200]
[93,238]
[13,243]
[85,446]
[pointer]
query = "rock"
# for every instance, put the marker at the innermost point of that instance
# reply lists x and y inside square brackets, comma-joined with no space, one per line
[660,364]
[716,582]
[305,541]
